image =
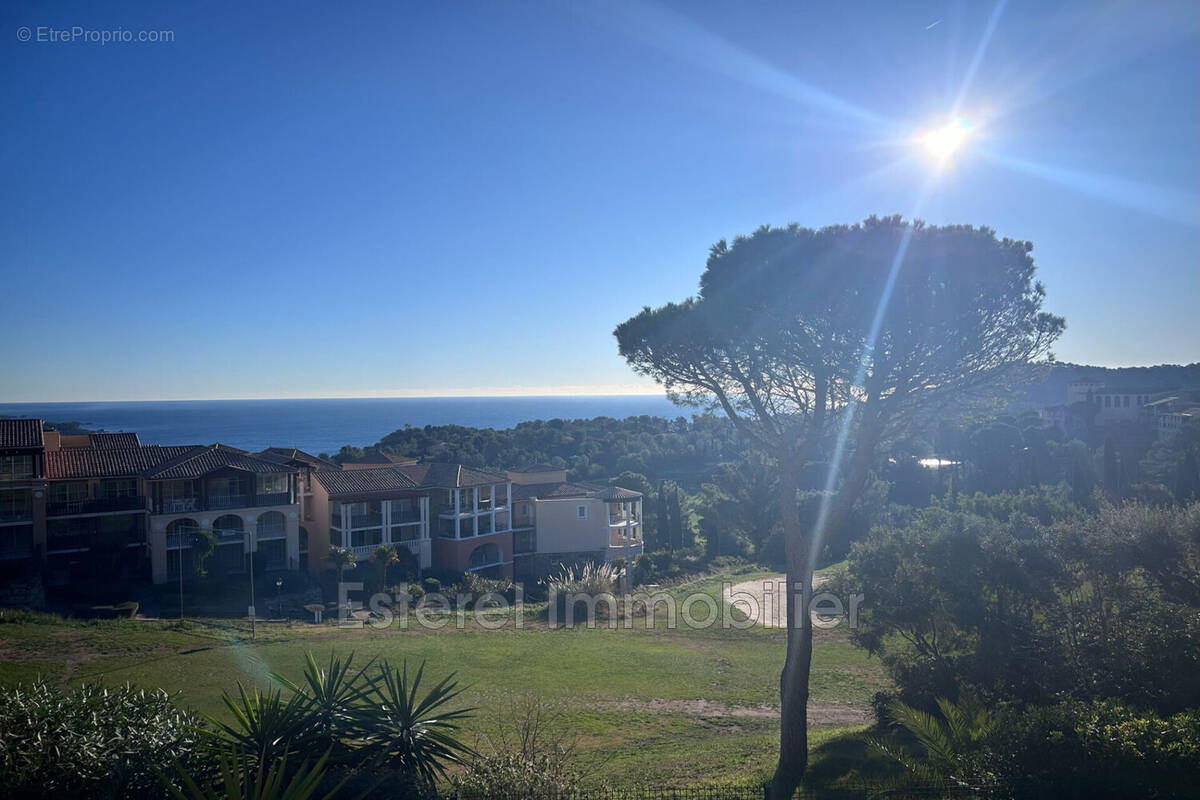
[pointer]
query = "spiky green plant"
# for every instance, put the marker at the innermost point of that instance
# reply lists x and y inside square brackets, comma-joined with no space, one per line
[410,731]
[951,746]
[265,726]
[241,779]
[331,697]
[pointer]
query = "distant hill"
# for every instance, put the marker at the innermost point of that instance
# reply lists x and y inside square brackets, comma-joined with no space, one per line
[1051,389]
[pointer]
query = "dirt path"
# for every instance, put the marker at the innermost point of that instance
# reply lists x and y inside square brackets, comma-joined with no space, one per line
[765,600]
[818,713]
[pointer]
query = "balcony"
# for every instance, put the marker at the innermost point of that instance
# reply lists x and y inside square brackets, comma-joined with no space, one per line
[16,515]
[217,502]
[178,505]
[370,520]
[617,539]
[186,505]
[623,520]
[103,505]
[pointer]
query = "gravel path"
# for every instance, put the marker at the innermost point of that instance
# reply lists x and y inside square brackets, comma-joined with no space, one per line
[764,600]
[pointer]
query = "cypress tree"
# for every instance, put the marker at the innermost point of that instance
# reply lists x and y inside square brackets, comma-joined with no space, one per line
[676,521]
[1187,483]
[1112,480]
[662,520]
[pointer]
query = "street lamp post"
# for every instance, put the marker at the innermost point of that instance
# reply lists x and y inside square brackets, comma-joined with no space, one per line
[250,548]
[179,559]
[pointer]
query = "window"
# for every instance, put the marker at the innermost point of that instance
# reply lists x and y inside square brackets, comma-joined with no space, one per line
[486,555]
[16,505]
[117,487]
[70,492]
[1125,402]
[367,538]
[177,490]
[225,489]
[406,533]
[12,467]
[272,484]
[580,512]
[1108,401]
[16,540]
[405,511]
[228,525]
[272,525]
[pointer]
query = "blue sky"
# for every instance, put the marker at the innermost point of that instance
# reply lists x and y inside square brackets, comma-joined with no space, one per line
[350,199]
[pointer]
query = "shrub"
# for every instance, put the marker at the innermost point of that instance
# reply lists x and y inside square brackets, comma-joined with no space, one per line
[414,591]
[1101,750]
[431,585]
[533,756]
[589,579]
[513,775]
[92,741]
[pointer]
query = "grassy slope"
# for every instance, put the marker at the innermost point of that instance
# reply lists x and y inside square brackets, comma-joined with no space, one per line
[632,696]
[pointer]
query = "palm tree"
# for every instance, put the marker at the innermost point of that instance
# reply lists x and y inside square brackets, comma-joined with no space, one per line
[342,558]
[384,556]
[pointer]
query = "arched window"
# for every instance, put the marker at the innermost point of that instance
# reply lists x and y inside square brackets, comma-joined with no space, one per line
[272,525]
[178,532]
[486,555]
[228,525]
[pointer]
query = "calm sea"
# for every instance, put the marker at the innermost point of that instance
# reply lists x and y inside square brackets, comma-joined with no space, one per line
[325,425]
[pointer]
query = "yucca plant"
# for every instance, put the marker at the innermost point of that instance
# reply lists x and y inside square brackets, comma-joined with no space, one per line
[410,731]
[330,699]
[951,747]
[265,726]
[240,779]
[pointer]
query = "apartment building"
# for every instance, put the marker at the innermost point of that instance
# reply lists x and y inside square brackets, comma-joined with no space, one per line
[88,507]
[104,506]
[559,522]
[450,516]
[250,504]
[22,494]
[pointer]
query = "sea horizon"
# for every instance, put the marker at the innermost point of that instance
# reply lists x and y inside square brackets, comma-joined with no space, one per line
[321,424]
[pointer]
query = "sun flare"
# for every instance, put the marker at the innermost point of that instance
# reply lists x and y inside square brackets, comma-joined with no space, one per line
[942,144]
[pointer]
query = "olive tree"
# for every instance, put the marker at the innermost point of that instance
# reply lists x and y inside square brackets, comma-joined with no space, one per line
[829,342]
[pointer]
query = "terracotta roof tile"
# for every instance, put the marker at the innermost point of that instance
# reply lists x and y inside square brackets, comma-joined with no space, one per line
[203,460]
[24,433]
[436,475]
[286,454]
[562,490]
[540,467]
[88,462]
[357,482]
[114,441]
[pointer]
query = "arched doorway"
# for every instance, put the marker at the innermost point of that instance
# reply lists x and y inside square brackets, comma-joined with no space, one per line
[272,539]
[230,555]
[179,540]
[484,556]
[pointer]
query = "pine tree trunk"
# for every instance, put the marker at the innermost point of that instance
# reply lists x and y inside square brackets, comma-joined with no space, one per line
[797,666]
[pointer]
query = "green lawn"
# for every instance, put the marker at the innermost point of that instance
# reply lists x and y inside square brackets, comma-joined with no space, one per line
[650,706]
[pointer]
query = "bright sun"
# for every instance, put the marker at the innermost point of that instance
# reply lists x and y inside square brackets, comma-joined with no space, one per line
[941,144]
